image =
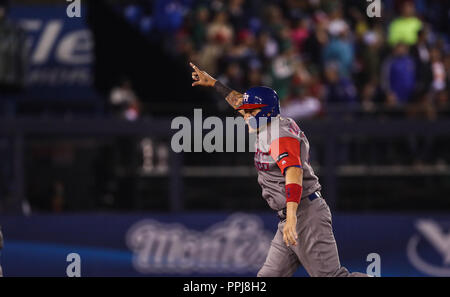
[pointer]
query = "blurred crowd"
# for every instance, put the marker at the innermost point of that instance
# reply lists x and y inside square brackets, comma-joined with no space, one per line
[319,55]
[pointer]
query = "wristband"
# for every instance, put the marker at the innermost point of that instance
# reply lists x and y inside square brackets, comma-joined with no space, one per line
[293,193]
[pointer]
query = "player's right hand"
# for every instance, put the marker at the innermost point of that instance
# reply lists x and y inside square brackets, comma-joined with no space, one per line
[201,78]
[290,232]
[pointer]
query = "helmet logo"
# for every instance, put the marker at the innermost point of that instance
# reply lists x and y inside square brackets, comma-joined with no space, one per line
[245,97]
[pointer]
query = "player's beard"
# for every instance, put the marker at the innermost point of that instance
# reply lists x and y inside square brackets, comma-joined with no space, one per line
[252,124]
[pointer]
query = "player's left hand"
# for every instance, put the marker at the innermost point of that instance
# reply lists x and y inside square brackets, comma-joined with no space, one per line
[201,78]
[290,231]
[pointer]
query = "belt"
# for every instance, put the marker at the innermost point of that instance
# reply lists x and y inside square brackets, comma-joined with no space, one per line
[311,197]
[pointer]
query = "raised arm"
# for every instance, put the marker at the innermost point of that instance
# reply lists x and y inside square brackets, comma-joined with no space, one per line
[201,78]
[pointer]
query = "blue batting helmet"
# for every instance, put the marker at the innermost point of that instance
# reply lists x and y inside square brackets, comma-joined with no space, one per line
[264,98]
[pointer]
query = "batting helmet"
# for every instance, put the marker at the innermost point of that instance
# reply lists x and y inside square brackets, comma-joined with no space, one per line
[264,98]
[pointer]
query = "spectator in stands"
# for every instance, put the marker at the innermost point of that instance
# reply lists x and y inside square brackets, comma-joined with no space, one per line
[439,76]
[268,47]
[299,106]
[219,36]
[399,76]
[404,28]
[237,14]
[267,39]
[435,100]
[244,50]
[339,49]
[369,95]
[210,54]
[338,90]
[370,57]
[317,39]
[198,33]
[336,23]
[421,54]
[276,21]
[220,29]
[168,14]
[300,33]
[125,104]
[282,70]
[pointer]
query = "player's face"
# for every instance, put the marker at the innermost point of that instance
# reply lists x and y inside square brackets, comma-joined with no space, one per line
[249,113]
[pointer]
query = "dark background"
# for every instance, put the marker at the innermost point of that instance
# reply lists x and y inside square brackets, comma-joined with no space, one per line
[370,155]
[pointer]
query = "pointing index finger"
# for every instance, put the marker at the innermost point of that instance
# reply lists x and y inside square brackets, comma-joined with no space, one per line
[195,67]
[198,71]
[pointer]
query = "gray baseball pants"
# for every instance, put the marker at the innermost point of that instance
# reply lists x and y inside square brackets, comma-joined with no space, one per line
[316,247]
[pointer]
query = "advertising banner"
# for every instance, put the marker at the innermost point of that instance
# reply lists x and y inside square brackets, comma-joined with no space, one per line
[60,52]
[212,244]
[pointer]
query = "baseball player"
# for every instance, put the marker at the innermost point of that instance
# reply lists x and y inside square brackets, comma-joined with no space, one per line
[289,185]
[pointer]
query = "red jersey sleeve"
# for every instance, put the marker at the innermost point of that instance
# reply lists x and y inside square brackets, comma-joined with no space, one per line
[286,152]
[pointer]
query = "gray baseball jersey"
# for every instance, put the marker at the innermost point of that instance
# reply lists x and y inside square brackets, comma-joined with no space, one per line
[280,145]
